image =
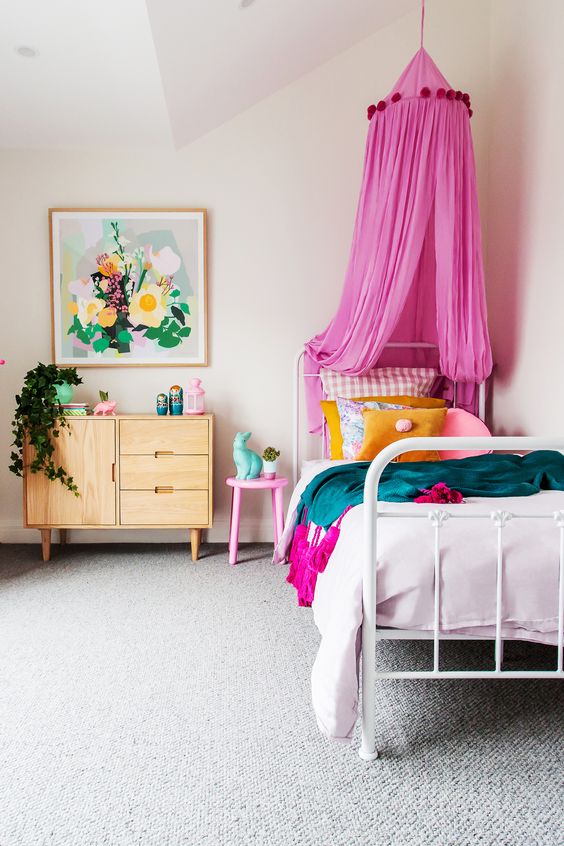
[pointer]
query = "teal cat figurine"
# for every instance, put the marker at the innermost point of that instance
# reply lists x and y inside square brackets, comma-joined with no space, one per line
[247,462]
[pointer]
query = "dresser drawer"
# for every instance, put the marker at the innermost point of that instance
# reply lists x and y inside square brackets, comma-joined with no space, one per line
[178,437]
[184,508]
[182,472]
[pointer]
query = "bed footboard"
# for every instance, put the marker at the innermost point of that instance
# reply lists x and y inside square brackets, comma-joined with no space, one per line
[438,517]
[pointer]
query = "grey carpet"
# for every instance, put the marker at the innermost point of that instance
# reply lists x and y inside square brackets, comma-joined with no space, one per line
[148,700]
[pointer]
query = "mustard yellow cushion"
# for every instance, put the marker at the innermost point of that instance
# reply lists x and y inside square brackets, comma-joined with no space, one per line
[380,431]
[331,413]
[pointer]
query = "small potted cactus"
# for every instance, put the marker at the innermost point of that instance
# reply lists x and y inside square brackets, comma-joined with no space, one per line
[269,458]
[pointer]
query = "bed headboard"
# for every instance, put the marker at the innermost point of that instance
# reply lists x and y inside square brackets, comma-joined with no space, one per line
[299,417]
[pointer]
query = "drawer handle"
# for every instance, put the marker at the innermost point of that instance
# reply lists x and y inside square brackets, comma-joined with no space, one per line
[159,452]
[164,489]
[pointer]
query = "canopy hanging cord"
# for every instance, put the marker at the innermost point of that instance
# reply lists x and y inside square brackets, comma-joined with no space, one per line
[422,19]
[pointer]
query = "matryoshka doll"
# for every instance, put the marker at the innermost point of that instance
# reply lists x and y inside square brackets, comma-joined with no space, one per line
[162,404]
[176,399]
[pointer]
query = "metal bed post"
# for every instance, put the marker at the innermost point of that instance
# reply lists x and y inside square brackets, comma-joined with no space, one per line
[368,751]
[559,518]
[482,401]
[296,417]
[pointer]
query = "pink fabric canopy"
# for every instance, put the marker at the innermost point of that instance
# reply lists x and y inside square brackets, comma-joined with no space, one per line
[415,270]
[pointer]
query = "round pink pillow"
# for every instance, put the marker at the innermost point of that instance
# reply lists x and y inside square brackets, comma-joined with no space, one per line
[460,423]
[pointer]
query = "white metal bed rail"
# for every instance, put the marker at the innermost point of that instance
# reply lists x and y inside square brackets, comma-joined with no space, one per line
[297,416]
[438,517]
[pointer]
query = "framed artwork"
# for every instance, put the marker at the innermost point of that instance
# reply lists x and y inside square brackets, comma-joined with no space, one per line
[128,287]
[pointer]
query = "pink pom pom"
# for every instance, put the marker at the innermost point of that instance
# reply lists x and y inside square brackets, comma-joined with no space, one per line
[466,98]
[370,111]
[440,93]
[458,95]
[425,92]
[470,112]
[440,494]
[404,425]
[396,97]
[451,93]
[381,105]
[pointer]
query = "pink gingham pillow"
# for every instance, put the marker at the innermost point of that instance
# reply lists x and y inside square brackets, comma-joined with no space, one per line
[382,381]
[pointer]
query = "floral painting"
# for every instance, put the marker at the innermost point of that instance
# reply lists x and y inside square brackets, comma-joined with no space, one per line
[129,287]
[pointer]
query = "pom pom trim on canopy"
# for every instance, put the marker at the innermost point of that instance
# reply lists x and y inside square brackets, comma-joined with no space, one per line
[425,93]
[415,270]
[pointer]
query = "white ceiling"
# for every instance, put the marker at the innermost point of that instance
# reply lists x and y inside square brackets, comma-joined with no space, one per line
[136,74]
[95,83]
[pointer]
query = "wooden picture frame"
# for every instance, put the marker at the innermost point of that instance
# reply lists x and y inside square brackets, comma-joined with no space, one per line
[128,287]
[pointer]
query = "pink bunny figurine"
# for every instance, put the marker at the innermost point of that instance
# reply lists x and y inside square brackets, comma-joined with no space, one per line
[105,407]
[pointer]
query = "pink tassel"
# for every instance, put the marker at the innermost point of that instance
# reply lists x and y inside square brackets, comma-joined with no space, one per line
[329,542]
[299,541]
[307,576]
[307,559]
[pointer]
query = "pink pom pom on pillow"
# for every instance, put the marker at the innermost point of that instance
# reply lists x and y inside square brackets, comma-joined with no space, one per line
[404,425]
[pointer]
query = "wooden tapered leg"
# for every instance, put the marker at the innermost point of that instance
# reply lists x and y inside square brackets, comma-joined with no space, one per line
[46,544]
[62,537]
[195,538]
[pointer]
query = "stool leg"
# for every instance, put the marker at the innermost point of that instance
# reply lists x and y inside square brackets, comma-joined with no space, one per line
[234,533]
[278,513]
[275,518]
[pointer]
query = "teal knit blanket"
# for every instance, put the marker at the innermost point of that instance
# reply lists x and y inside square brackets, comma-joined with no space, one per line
[332,490]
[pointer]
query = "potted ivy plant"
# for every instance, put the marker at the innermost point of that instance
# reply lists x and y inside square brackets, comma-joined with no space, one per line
[38,419]
[269,459]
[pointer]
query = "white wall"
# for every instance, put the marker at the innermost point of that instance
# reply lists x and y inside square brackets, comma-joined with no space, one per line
[525,267]
[280,182]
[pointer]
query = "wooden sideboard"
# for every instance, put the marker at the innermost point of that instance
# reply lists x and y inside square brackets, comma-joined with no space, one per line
[133,471]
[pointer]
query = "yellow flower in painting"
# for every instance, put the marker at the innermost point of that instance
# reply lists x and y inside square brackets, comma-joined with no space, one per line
[73,307]
[107,317]
[88,309]
[108,265]
[147,306]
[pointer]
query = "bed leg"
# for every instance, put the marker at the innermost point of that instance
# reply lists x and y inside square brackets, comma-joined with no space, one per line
[368,751]
[368,756]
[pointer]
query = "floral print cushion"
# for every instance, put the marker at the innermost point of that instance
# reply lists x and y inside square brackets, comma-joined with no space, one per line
[352,422]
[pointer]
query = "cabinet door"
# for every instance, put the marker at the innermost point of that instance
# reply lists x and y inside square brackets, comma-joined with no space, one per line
[87,452]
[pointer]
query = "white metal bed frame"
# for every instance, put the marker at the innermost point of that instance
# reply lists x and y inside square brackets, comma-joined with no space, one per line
[371,634]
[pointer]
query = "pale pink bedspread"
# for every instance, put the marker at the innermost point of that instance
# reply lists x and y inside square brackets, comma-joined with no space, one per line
[405,585]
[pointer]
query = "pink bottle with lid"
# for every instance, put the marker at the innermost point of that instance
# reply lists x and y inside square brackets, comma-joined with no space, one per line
[194,398]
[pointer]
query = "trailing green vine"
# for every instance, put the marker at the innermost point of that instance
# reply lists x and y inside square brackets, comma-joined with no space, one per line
[38,419]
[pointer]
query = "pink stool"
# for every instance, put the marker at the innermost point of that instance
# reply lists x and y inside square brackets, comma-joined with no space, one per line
[275,486]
